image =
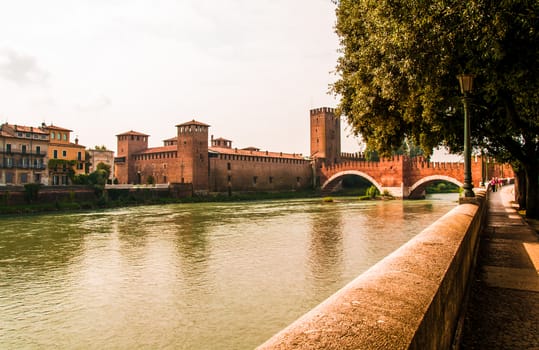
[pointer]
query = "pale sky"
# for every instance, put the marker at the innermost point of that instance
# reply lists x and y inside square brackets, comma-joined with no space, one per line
[251,69]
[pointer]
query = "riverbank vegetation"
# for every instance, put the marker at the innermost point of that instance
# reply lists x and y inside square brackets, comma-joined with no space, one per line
[117,198]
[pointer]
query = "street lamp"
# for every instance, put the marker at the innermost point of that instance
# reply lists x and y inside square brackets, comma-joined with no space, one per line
[466,84]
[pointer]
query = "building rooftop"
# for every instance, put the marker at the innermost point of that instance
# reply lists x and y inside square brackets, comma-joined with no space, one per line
[252,151]
[158,150]
[131,132]
[193,122]
[54,127]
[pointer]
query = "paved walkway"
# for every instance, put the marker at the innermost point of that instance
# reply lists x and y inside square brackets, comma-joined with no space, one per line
[503,309]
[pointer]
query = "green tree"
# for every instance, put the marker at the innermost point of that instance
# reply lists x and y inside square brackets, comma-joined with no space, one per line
[398,67]
[105,168]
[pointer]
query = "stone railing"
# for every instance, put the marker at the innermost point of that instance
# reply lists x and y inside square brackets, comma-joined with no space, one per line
[410,300]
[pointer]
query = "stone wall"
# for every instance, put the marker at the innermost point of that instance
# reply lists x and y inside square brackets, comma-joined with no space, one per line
[246,174]
[410,300]
[16,195]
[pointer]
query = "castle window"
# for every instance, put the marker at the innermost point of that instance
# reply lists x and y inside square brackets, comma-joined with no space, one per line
[228,166]
[271,179]
[254,179]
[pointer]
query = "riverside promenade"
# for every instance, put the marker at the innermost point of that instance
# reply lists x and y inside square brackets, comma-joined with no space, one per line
[503,306]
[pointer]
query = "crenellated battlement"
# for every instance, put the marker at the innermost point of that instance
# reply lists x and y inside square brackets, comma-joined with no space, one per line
[322,110]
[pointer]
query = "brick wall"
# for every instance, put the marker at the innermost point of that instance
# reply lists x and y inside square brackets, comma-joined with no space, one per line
[244,173]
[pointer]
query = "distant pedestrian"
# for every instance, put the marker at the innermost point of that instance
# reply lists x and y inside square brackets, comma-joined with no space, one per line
[493,184]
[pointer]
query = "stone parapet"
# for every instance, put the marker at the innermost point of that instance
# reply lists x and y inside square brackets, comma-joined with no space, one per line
[410,300]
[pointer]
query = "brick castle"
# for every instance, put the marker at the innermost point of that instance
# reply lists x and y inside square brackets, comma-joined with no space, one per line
[187,158]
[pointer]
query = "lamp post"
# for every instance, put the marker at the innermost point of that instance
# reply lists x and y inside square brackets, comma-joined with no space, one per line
[466,84]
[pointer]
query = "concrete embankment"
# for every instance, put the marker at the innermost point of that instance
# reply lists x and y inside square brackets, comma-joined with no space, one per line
[410,300]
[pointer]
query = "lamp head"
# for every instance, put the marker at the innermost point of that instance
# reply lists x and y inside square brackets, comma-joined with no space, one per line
[466,83]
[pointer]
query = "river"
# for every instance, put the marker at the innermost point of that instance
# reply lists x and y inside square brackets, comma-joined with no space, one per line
[189,276]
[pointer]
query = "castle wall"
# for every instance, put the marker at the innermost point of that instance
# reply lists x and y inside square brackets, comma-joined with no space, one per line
[164,167]
[253,173]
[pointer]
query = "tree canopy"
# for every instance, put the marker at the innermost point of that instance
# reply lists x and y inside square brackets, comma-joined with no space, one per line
[397,76]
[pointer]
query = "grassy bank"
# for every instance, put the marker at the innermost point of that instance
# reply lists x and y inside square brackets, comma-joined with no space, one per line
[144,198]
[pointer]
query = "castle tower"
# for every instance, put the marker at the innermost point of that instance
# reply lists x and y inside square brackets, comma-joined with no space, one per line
[325,135]
[193,154]
[129,143]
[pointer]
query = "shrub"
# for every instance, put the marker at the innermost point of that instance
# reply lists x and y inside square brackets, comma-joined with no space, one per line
[31,191]
[372,192]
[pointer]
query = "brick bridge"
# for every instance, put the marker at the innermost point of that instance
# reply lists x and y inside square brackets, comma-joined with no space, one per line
[406,177]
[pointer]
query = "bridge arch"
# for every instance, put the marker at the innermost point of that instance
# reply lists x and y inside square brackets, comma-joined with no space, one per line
[341,174]
[427,179]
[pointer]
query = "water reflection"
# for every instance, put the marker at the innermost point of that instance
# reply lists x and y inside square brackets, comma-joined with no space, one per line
[197,276]
[325,258]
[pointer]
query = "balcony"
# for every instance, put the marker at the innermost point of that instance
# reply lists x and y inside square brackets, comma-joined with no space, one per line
[23,166]
[26,153]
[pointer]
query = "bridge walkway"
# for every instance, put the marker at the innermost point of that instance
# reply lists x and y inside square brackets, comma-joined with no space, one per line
[503,307]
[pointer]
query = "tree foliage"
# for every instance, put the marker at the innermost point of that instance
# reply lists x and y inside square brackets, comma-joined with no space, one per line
[397,76]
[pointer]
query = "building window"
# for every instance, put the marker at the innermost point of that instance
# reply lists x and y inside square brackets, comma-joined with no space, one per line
[23,149]
[38,150]
[65,137]
[271,179]
[254,179]
[24,178]
[64,153]
[9,177]
[79,156]
[228,166]
[58,136]
[52,135]
[55,154]
[79,166]
[8,148]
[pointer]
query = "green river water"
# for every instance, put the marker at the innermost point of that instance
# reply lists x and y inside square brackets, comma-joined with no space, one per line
[189,276]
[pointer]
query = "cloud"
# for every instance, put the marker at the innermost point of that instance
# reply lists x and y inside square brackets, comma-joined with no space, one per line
[97,104]
[21,69]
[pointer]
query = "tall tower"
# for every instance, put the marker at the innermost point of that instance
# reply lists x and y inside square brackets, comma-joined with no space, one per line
[325,135]
[129,143]
[193,154]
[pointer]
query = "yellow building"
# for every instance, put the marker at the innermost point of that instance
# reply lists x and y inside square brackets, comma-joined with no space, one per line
[65,158]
